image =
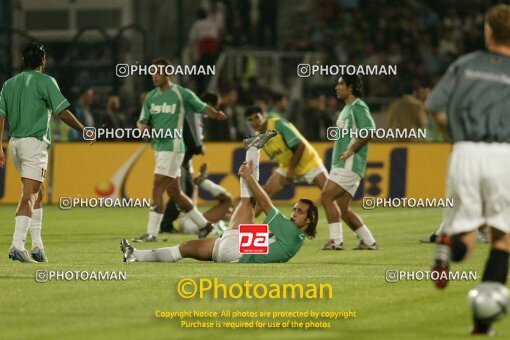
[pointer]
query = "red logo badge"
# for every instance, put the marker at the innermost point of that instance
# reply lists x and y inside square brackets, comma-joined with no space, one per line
[253,239]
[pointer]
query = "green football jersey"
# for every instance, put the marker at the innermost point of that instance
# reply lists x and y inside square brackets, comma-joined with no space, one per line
[166,111]
[285,240]
[354,116]
[27,100]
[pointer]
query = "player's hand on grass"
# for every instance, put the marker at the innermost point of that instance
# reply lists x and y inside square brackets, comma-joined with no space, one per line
[2,157]
[346,154]
[246,170]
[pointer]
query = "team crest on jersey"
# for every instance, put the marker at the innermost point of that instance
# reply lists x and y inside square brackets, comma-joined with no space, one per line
[165,108]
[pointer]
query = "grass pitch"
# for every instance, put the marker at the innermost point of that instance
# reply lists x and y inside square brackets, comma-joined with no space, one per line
[88,239]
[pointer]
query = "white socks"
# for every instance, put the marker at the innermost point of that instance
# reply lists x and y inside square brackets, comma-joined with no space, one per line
[212,188]
[336,233]
[252,154]
[35,228]
[364,234]
[188,226]
[197,217]
[168,254]
[154,222]
[20,232]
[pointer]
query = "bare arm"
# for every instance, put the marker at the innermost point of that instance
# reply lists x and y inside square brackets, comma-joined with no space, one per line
[215,114]
[2,155]
[297,154]
[442,123]
[142,126]
[2,119]
[71,120]
[358,144]
[263,200]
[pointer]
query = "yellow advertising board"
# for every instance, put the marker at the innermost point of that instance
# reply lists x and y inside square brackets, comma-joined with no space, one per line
[125,169]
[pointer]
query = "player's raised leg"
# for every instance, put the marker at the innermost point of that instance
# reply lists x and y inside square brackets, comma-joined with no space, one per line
[244,210]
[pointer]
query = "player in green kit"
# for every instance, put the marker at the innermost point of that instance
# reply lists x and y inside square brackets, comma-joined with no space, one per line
[27,101]
[348,163]
[286,235]
[164,109]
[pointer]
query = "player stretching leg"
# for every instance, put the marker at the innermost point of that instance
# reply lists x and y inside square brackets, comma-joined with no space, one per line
[297,159]
[26,101]
[286,235]
[164,109]
[215,214]
[476,99]
[349,163]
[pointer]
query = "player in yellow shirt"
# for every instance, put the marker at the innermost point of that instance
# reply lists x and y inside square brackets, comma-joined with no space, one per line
[297,160]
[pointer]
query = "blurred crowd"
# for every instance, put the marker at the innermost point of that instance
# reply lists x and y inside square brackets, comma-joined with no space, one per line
[421,37]
[319,112]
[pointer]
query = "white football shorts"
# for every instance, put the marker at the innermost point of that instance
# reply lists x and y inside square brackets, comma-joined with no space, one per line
[477,180]
[346,179]
[226,248]
[168,163]
[309,176]
[30,156]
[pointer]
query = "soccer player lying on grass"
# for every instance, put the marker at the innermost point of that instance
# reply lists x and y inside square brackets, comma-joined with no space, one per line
[285,238]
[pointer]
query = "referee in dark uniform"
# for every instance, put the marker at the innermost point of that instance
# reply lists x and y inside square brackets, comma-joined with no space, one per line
[472,104]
